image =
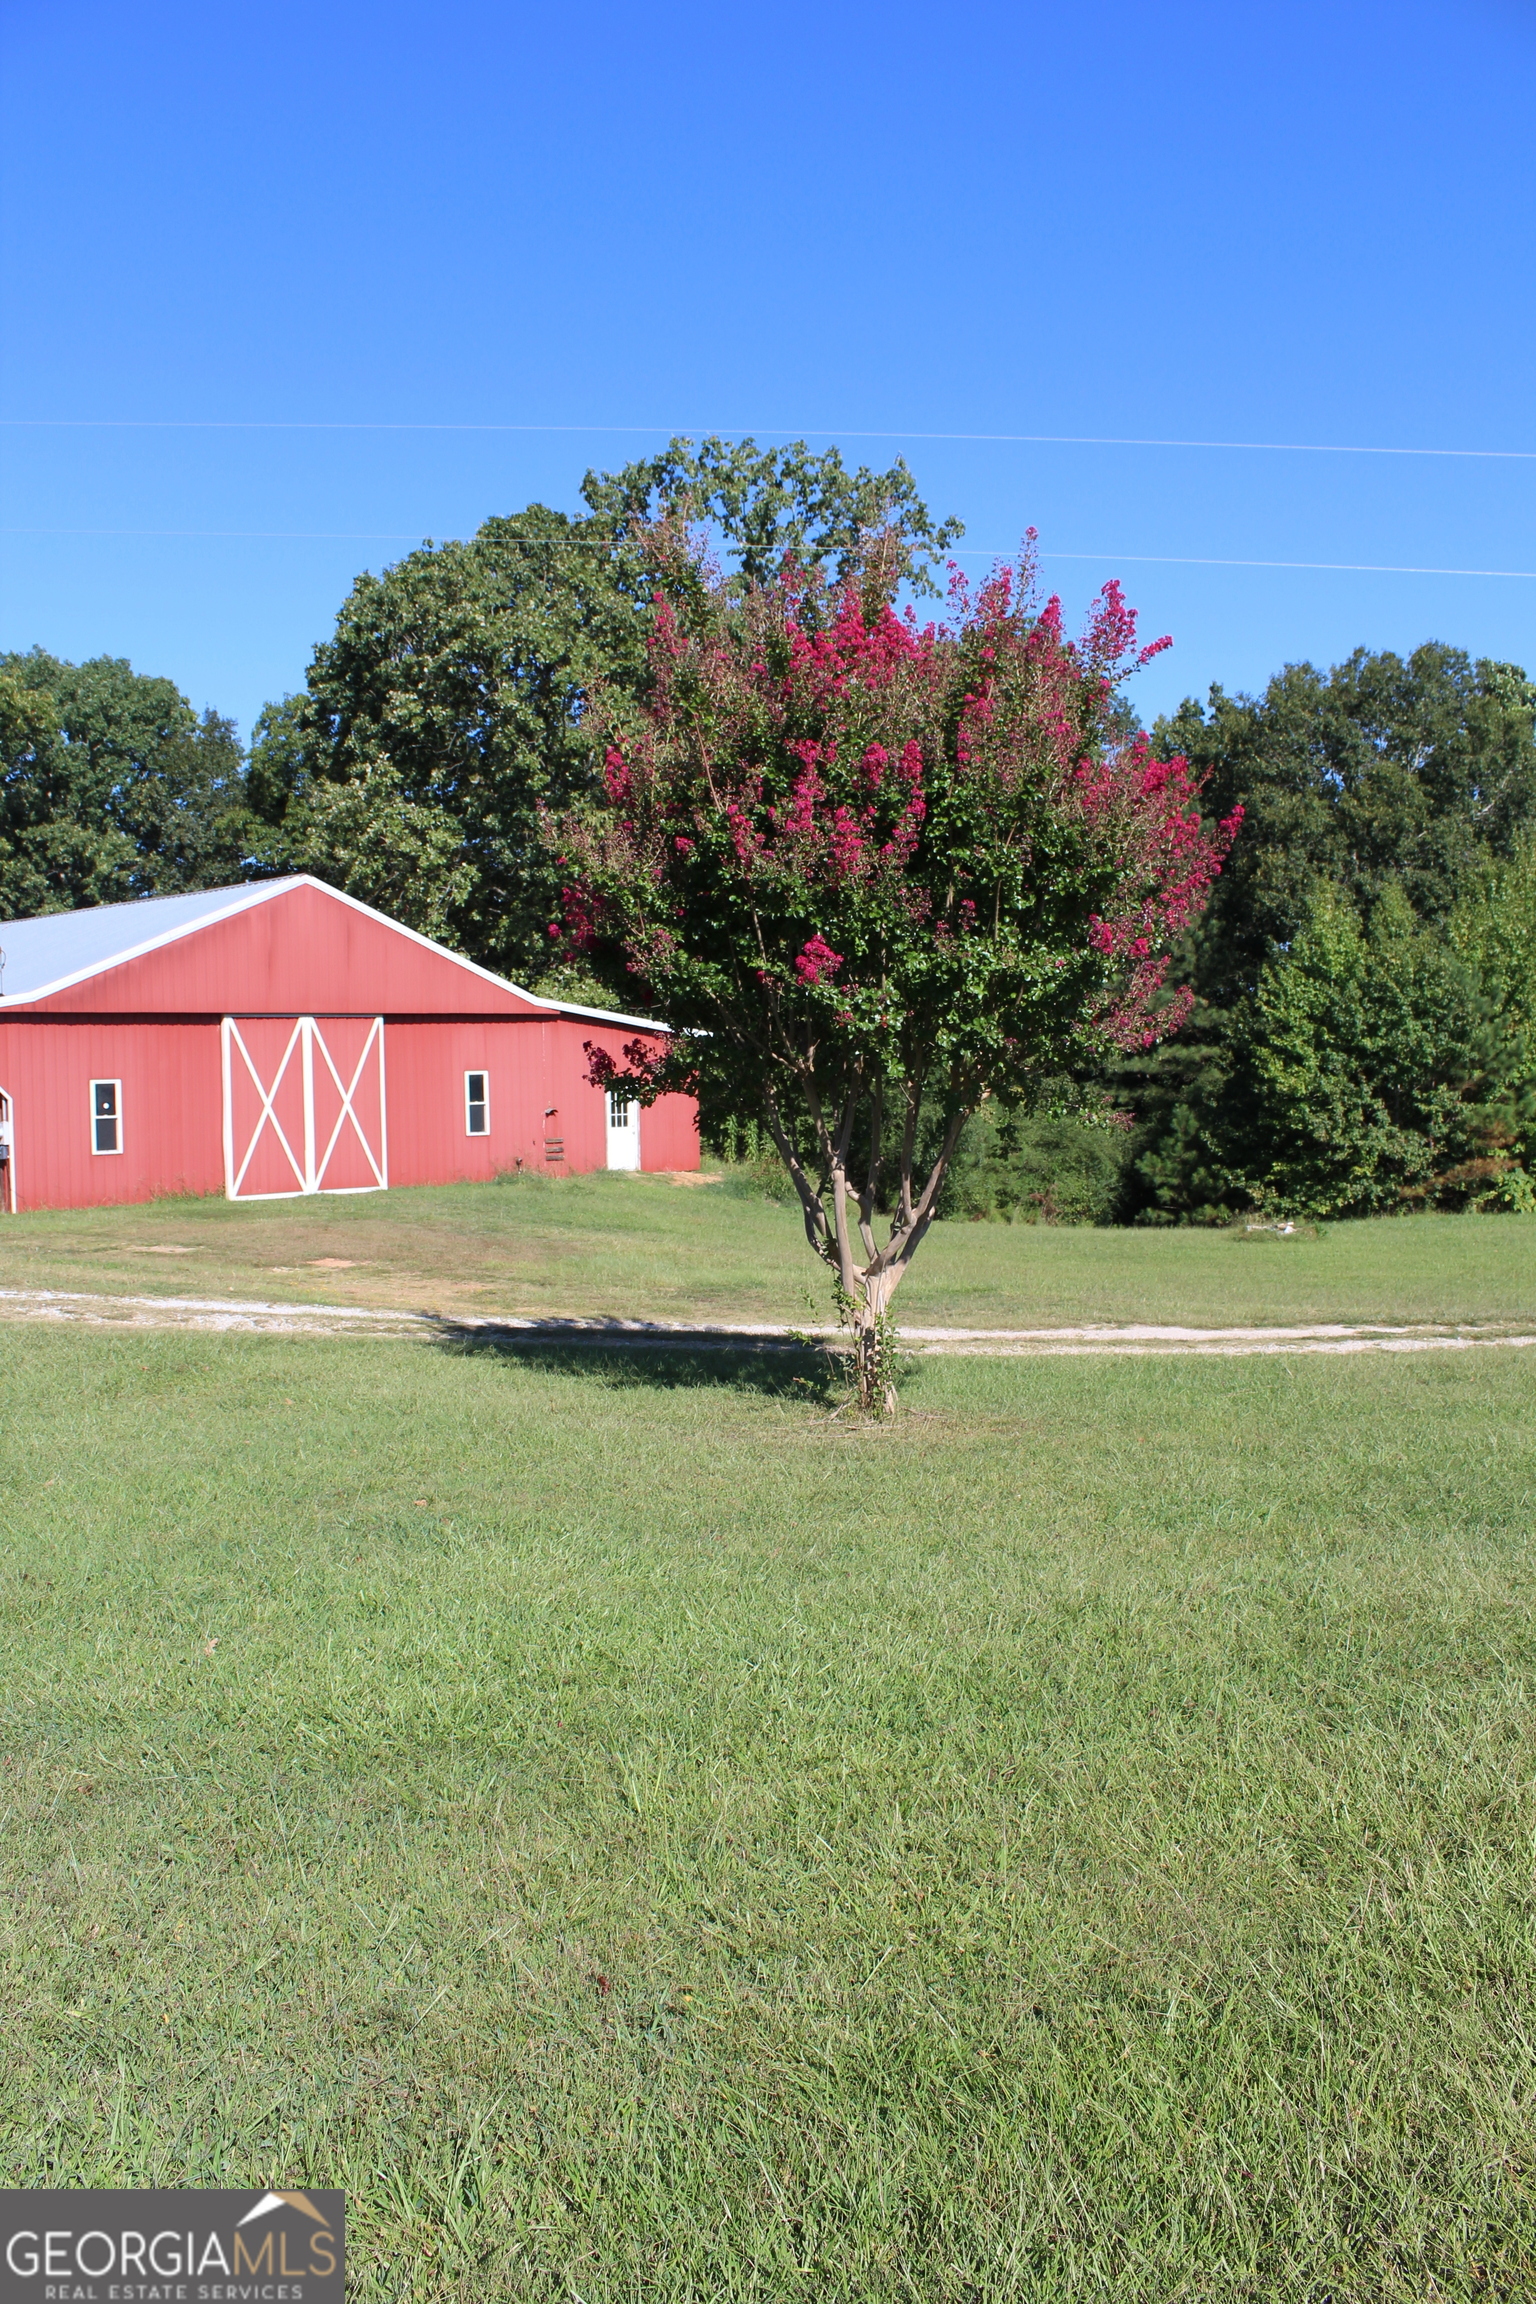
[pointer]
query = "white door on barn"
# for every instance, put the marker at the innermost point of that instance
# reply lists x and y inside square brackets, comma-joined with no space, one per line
[303,1106]
[623,1133]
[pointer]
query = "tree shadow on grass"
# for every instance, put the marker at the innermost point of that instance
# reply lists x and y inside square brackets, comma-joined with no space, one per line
[779,1368]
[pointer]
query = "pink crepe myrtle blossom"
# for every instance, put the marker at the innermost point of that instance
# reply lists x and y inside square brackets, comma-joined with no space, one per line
[641,1063]
[815,960]
[580,908]
[942,819]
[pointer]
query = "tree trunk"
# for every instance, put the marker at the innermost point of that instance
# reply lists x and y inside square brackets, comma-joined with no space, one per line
[874,1344]
[863,1294]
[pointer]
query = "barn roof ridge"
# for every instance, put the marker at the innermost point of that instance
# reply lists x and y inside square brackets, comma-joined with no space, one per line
[183,915]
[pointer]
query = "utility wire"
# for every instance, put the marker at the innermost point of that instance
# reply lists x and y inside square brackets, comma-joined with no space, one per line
[1326,567]
[601,544]
[738,431]
[302,535]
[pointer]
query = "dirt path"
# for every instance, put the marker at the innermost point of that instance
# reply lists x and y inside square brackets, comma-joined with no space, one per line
[52,1306]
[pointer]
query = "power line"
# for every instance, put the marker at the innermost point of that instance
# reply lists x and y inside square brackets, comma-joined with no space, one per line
[602,544]
[738,431]
[291,535]
[1325,567]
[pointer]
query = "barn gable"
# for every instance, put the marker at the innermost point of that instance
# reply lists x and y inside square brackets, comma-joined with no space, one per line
[277,945]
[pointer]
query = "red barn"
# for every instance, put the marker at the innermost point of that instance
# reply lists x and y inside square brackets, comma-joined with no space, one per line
[281,1039]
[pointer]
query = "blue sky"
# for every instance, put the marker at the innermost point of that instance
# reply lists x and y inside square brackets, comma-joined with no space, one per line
[596,225]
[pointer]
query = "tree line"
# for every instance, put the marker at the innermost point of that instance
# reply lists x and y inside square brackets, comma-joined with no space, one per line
[1363,1033]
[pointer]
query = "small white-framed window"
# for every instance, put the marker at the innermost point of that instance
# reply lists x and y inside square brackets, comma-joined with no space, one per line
[106,1115]
[477,1103]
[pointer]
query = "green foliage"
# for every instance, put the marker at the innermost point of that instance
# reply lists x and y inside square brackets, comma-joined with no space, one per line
[111,787]
[1358,1031]
[278,754]
[1493,931]
[1493,928]
[870,871]
[773,507]
[368,835]
[1413,771]
[443,713]
[50,858]
[749,1162]
[1356,1075]
[445,716]
[1177,1172]
[1035,1168]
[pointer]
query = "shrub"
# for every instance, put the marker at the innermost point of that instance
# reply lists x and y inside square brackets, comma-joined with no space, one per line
[1036,1168]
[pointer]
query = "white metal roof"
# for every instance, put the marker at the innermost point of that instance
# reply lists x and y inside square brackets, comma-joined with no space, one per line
[64,946]
[57,949]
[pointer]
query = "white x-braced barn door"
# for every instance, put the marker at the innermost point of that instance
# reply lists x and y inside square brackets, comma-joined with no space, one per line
[303,1106]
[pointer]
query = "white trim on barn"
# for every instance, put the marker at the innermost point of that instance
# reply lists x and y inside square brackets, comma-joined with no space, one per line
[308,1172]
[622,1136]
[108,1112]
[243,899]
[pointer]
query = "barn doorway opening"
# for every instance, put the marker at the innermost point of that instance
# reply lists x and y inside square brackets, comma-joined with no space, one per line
[304,1107]
[623,1132]
[7,1157]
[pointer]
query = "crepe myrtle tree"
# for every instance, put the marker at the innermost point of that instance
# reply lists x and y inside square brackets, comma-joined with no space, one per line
[868,867]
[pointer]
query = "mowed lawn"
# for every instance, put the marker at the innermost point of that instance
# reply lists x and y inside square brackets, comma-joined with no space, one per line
[645,1836]
[655,1247]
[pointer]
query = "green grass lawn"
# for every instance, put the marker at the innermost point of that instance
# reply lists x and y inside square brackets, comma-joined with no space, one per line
[647,1247]
[647,1838]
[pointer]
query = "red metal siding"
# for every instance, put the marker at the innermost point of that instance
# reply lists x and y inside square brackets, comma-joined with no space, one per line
[155,1024]
[580,1111]
[298,952]
[669,1134]
[172,1106]
[428,1139]
[539,1094]
[669,1128]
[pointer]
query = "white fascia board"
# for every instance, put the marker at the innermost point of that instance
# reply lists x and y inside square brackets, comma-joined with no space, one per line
[598,1015]
[263,892]
[487,975]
